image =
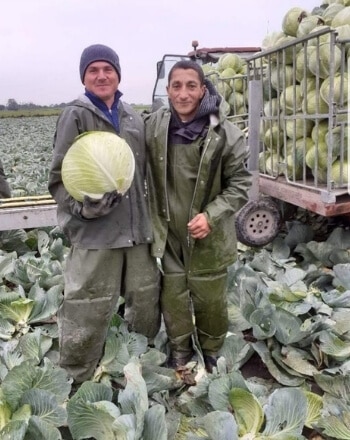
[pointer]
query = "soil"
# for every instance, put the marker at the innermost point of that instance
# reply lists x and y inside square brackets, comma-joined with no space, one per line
[255,367]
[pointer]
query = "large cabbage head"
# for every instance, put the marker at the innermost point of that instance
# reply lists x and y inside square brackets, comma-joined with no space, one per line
[291,99]
[298,127]
[338,94]
[96,163]
[281,78]
[314,104]
[292,19]
[340,172]
[308,24]
[232,60]
[330,12]
[342,17]
[320,60]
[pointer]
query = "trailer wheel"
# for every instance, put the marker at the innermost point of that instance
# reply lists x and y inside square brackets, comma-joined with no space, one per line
[257,223]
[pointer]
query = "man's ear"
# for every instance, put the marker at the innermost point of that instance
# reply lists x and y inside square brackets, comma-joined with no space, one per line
[204,88]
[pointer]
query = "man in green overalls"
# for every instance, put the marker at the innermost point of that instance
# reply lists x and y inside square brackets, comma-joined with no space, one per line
[197,182]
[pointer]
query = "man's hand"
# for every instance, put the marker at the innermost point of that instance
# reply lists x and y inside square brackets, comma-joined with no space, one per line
[199,227]
[93,208]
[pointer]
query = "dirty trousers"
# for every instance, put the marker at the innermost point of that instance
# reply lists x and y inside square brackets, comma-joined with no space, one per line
[192,303]
[94,280]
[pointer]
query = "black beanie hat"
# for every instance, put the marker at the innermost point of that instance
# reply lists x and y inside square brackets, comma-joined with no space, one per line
[98,52]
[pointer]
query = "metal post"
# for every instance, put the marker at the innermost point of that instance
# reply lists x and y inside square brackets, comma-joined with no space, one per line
[255,108]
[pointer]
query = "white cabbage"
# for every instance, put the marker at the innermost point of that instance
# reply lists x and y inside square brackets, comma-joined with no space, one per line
[340,172]
[292,19]
[320,60]
[343,32]
[295,154]
[270,40]
[273,138]
[271,107]
[337,139]
[320,130]
[340,89]
[97,162]
[342,17]
[317,156]
[232,60]
[302,70]
[281,78]
[298,127]
[300,144]
[309,23]
[314,104]
[330,12]
[291,99]
[287,53]
[227,74]
[269,163]
[236,101]
[239,83]
[224,89]
[306,84]
[324,38]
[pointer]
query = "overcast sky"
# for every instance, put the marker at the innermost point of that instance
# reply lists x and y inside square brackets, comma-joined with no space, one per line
[41,40]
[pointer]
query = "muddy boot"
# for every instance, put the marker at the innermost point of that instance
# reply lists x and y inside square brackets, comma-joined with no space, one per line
[210,362]
[178,360]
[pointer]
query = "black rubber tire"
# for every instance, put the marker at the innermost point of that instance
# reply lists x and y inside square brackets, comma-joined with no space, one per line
[258,222]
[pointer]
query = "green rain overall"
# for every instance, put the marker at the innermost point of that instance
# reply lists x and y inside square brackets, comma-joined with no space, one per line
[189,302]
[90,298]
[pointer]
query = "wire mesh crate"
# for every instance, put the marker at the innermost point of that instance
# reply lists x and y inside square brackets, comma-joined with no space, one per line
[301,88]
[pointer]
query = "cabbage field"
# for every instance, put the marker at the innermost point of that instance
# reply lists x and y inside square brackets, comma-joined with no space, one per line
[26,150]
[288,345]
[288,342]
[284,369]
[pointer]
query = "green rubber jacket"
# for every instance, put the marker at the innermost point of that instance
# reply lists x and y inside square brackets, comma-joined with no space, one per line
[221,190]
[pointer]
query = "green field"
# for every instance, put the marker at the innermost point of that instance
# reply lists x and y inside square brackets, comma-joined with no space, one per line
[22,113]
[30,113]
[26,149]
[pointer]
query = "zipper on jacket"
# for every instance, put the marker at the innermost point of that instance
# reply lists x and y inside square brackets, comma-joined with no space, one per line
[207,142]
[165,170]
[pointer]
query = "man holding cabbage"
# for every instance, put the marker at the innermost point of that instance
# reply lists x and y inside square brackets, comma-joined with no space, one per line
[110,233]
[198,182]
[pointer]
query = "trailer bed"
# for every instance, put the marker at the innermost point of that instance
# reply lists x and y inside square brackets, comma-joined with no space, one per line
[27,212]
[318,201]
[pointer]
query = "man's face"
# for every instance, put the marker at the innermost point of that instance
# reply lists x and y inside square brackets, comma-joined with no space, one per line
[185,93]
[102,79]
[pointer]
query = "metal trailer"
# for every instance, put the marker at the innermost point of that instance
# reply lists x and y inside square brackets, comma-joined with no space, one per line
[298,132]
[27,212]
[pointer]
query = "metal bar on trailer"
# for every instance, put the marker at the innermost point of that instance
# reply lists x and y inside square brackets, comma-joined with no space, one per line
[307,199]
[14,204]
[254,136]
[28,217]
[27,212]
